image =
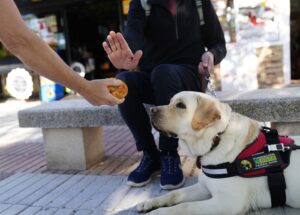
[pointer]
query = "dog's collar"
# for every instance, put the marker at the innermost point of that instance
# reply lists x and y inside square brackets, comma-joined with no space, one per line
[216,142]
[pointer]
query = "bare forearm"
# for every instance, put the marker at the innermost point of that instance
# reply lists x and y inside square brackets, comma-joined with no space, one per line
[43,60]
[32,50]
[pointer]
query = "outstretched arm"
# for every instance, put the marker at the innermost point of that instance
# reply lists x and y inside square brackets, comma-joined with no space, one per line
[35,53]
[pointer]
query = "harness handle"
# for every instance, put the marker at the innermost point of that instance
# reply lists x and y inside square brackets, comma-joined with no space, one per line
[278,147]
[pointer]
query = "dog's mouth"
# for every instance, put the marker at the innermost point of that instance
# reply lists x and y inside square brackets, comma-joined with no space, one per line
[155,117]
[166,133]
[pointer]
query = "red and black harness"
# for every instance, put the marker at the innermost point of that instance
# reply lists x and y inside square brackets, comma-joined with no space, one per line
[267,156]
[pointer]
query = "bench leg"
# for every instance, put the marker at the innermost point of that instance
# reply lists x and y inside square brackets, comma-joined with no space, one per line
[287,128]
[72,148]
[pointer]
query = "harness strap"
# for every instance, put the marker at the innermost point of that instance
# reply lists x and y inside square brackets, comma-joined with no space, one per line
[271,135]
[223,170]
[146,7]
[277,186]
[200,12]
[276,180]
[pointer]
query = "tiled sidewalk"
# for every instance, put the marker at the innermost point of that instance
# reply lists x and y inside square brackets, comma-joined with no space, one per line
[72,194]
[67,194]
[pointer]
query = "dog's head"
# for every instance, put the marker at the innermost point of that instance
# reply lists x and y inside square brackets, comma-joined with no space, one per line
[189,114]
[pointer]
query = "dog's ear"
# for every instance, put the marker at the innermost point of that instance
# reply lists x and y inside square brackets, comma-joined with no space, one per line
[205,114]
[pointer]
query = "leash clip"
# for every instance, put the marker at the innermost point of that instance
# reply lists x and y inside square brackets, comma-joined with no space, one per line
[210,85]
[278,147]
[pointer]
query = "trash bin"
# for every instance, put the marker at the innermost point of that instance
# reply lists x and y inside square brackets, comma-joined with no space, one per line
[50,91]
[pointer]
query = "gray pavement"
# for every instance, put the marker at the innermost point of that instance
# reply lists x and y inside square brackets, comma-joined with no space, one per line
[10,132]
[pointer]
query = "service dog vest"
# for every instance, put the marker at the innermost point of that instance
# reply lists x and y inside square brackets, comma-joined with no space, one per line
[267,156]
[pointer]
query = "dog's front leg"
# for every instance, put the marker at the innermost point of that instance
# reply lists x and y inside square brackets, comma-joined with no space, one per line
[192,193]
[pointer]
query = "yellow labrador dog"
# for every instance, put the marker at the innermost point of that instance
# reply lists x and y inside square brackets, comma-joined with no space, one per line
[197,119]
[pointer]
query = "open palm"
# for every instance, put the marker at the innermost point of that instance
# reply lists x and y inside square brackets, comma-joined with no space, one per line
[119,52]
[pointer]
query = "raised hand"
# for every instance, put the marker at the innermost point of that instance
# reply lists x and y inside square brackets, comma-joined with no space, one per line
[119,52]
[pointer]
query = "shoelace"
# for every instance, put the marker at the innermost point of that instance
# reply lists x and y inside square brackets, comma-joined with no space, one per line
[170,164]
[146,161]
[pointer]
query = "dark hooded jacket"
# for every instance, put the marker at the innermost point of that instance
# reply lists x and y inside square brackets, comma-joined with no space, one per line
[179,39]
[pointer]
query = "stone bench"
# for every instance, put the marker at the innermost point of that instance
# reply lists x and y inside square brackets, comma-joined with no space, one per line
[72,128]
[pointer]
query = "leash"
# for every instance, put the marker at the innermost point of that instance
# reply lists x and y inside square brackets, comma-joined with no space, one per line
[210,84]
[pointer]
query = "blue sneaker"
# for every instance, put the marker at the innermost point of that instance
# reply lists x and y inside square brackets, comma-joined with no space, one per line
[171,173]
[149,166]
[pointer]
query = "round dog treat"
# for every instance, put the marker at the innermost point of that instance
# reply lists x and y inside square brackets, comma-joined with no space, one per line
[119,91]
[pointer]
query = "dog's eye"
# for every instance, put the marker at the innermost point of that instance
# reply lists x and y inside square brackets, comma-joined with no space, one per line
[180,105]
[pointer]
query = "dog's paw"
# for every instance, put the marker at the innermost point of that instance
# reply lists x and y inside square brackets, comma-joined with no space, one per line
[145,206]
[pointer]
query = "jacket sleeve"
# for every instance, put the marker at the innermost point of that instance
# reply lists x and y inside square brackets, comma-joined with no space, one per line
[135,27]
[213,34]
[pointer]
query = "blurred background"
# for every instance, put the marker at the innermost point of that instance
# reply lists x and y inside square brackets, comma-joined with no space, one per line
[263,42]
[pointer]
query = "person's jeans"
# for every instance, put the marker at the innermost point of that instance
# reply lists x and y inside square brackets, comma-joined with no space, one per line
[156,87]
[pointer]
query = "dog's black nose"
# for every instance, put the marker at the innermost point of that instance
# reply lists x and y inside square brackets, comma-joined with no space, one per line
[153,109]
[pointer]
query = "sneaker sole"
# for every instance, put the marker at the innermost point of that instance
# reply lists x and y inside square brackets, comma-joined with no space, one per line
[171,186]
[141,184]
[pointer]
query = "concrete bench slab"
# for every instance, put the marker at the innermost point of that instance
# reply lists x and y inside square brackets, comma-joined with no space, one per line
[72,128]
[262,105]
[266,105]
[69,114]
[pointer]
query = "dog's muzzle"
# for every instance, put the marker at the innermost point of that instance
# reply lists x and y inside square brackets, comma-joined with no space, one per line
[155,118]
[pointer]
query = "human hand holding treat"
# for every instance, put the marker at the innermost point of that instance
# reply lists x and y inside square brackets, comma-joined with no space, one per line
[118,91]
